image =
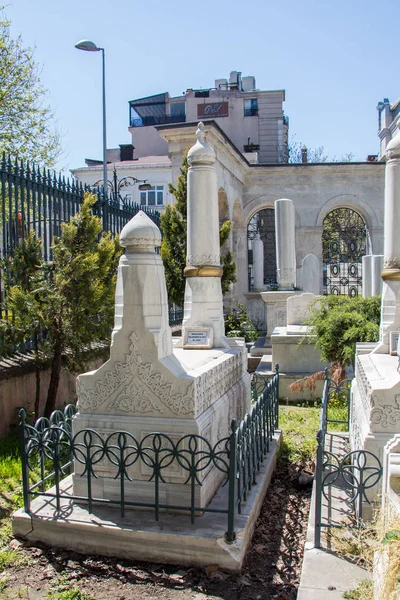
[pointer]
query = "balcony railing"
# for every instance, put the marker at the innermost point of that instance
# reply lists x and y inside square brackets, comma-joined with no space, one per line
[159,120]
[250,112]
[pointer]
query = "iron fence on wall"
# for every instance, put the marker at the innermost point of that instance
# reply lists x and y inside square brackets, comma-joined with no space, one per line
[353,472]
[36,199]
[49,450]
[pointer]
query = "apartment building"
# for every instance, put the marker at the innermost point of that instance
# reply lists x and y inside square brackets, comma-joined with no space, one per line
[252,119]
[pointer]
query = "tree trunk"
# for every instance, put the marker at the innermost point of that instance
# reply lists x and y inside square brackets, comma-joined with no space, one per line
[54,381]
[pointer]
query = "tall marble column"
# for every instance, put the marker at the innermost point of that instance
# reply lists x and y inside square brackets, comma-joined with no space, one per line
[203,293]
[240,257]
[390,316]
[285,243]
[258,262]
[367,276]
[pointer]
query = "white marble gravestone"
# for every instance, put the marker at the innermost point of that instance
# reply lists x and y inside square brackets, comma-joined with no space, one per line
[310,274]
[292,346]
[148,386]
[375,405]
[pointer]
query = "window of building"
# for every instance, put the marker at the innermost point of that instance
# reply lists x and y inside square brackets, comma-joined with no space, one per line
[250,107]
[177,109]
[153,197]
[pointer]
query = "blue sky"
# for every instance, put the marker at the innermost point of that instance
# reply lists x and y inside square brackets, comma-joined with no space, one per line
[335,59]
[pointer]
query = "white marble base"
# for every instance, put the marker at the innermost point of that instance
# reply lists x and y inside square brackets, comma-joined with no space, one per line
[293,356]
[137,536]
[276,308]
[220,391]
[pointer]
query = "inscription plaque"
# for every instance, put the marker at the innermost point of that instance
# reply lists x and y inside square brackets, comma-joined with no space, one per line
[197,338]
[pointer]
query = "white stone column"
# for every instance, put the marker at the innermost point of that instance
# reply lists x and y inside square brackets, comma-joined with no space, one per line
[240,256]
[376,271]
[390,313]
[203,293]
[367,276]
[285,243]
[258,262]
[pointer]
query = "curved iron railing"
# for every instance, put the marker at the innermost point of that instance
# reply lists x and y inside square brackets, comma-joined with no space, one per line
[50,451]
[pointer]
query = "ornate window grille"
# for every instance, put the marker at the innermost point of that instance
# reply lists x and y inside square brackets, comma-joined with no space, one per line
[344,243]
[263,223]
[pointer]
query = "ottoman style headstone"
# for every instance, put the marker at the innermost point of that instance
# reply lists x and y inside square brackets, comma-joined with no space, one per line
[367,276]
[149,386]
[376,279]
[203,271]
[310,274]
[375,415]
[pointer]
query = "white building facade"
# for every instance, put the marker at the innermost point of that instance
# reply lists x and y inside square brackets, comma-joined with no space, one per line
[250,141]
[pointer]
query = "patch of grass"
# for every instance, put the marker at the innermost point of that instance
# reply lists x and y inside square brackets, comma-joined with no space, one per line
[10,500]
[299,426]
[62,590]
[4,579]
[364,591]
[354,543]
[8,558]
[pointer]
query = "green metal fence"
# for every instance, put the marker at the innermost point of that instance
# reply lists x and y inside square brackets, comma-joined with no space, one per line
[49,450]
[38,199]
[353,472]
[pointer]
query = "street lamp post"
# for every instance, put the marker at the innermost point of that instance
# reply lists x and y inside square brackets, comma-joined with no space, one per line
[91,47]
[117,184]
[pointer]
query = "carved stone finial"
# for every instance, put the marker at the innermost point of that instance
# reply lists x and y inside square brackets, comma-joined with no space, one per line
[201,152]
[200,133]
[141,234]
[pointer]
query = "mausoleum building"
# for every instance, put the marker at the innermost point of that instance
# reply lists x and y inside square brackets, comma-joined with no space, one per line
[338,207]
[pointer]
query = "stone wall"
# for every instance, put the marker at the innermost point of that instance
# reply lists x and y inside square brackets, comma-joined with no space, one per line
[18,388]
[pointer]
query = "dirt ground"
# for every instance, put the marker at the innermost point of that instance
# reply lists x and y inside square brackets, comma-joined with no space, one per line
[271,571]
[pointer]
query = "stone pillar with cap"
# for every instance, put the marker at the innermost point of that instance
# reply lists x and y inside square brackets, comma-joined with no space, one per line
[203,271]
[285,243]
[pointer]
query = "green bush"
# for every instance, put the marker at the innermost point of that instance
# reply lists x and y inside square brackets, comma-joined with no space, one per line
[340,322]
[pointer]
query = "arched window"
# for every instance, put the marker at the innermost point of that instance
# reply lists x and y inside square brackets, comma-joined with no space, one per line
[263,222]
[344,243]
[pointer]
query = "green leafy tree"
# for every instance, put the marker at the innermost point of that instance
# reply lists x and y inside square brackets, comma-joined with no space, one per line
[22,271]
[71,299]
[339,322]
[173,247]
[26,120]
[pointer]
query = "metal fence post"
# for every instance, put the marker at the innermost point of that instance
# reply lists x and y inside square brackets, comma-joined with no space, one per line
[25,467]
[230,534]
[277,395]
[318,489]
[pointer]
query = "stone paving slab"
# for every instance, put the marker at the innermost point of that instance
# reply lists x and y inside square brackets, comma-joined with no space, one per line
[324,575]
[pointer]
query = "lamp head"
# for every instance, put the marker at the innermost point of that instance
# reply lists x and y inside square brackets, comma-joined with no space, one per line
[87,45]
[144,187]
